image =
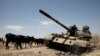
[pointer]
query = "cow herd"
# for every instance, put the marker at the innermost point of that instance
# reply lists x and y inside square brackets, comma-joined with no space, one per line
[18,40]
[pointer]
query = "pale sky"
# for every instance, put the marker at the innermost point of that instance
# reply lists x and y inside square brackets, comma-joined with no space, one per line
[23,17]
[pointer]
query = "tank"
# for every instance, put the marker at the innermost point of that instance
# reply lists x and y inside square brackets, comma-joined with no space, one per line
[65,41]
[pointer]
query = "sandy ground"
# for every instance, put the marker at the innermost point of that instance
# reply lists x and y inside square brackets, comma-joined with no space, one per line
[34,51]
[40,51]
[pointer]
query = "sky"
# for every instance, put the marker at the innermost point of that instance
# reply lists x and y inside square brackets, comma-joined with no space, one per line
[23,16]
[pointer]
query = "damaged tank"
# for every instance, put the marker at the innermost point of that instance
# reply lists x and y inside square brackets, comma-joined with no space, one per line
[74,40]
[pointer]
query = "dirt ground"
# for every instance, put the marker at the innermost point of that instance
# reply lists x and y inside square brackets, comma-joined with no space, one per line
[34,51]
[40,51]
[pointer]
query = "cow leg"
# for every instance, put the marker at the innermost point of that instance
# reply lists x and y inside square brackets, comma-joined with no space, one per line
[7,47]
[38,44]
[25,45]
[16,45]
[30,44]
[20,45]
[35,44]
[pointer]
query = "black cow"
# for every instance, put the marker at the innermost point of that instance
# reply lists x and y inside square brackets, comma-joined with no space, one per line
[14,39]
[18,39]
[39,42]
[28,40]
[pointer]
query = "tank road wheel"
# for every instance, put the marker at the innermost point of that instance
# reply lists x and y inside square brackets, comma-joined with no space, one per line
[76,49]
[88,47]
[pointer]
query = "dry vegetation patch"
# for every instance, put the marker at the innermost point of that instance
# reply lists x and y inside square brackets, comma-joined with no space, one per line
[95,42]
[95,46]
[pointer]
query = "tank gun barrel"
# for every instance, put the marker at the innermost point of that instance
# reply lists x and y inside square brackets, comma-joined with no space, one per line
[50,17]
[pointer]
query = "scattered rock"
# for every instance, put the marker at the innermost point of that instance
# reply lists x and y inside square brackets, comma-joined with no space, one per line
[39,52]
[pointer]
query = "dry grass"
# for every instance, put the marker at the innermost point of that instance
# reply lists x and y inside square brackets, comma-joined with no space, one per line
[95,45]
[96,41]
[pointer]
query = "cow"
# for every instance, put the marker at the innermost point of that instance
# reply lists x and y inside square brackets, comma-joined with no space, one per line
[39,42]
[28,40]
[18,40]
